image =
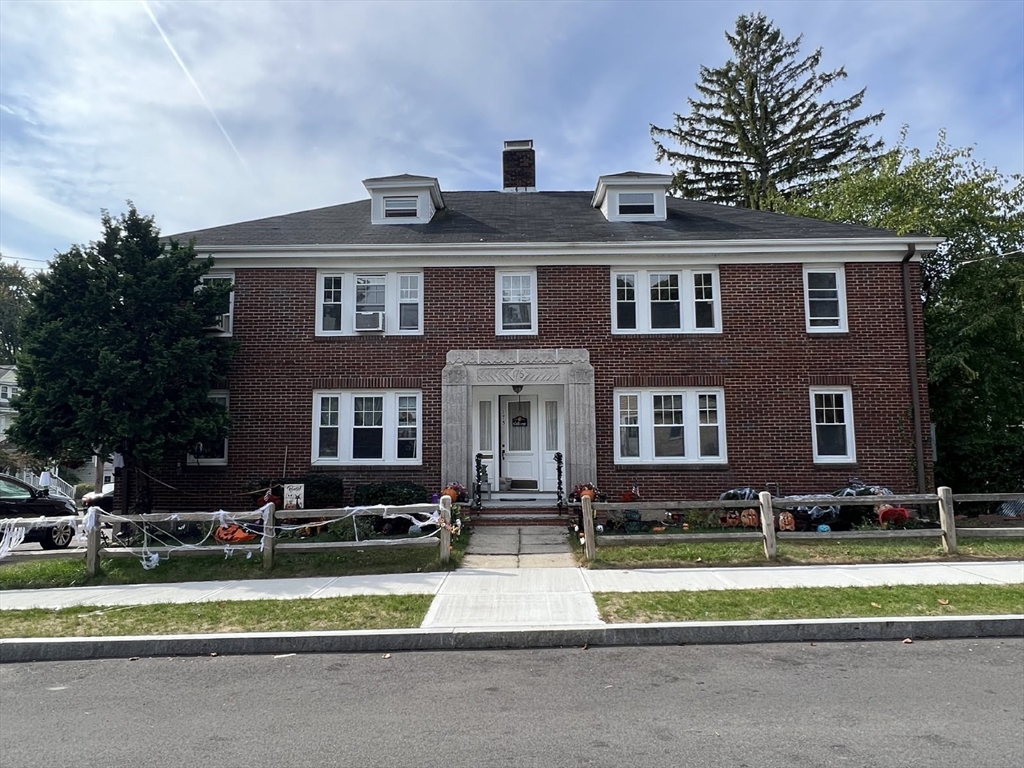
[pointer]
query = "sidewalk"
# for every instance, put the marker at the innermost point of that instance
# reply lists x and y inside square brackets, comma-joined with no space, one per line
[512,597]
[506,608]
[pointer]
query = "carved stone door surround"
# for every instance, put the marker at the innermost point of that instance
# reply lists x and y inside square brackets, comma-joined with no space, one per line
[467,368]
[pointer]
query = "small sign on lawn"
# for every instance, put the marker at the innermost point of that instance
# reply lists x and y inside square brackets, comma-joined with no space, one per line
[294,495]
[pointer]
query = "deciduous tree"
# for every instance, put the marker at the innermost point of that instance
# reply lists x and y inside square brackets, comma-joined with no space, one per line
[973,291]
[15,287]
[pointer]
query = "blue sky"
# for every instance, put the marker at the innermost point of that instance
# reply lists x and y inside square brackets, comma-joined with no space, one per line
[283,106]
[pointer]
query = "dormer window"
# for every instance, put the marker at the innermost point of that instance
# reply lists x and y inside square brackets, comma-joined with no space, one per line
[632,196]
[400,207]
[403,199]
[632,203]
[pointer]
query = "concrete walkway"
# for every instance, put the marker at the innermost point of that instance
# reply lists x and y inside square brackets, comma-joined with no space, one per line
[519,547]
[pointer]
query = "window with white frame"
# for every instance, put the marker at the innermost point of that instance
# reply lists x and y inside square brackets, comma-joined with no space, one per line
[350,303]
[404,207]
[666,301]
[212,452]
[832,425]
[7,391]
[825,299]
[516,303]
[372,427]
[223,326]
[670,426]
[636,203]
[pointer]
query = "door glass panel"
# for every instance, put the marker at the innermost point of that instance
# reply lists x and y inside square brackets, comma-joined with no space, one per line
[486,438]
[551,425]
[519,425]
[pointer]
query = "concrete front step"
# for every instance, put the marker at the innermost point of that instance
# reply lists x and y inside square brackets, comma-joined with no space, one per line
[519,517]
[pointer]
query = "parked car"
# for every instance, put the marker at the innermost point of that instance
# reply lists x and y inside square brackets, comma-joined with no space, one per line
[104,499]
[18,499]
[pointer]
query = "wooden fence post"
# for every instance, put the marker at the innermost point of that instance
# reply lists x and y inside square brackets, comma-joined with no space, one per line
[446,534]
[92,552]
[269,537]
[767,524]
[589,540]
[947,521]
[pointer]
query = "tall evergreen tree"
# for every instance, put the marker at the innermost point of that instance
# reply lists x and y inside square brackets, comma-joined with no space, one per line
[758,130]
[114,353]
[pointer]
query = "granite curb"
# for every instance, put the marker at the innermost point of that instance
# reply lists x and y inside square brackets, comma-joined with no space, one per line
[15,650]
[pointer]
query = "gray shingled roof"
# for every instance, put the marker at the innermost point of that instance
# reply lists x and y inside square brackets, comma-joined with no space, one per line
[541,217]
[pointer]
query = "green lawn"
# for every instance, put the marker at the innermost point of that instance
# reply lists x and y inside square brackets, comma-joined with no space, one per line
[824,552]
[215,567]
[810,603]
[362,612]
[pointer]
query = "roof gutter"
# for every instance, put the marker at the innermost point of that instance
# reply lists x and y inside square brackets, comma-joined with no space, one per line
[915,394]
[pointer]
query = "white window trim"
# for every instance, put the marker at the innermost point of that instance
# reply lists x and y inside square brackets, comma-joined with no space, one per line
[216,394]
[850,456]
[345,425]
[840,272]
[392,301]
[401,202]
[532,274]
[642,288]
[218,330]
[691,422]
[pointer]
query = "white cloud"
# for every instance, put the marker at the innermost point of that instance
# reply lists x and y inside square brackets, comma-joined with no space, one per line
[95,110]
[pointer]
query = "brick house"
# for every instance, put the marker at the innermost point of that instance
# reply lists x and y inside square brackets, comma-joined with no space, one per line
[683,346]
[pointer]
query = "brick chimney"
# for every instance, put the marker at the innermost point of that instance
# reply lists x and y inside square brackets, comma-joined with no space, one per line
[519,166]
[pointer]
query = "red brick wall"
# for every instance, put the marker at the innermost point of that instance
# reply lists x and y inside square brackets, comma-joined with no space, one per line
[765,360]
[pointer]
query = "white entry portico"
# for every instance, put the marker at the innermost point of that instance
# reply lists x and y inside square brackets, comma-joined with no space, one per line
[517,409]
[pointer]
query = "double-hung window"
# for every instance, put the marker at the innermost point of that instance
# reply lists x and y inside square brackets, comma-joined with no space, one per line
[683,426]
[371,427]
[516,311]
[401,207]
[832,425]
[223,325]
[351,303]
[666,301]
[212,452]
[825,299]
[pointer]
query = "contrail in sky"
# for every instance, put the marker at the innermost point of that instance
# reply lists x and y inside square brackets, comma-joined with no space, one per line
[195,85]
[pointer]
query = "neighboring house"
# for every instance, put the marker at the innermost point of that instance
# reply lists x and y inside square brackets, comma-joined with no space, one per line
[8,389]
[682,346]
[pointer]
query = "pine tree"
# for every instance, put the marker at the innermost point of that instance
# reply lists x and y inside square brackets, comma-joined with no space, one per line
[758,130]
[114,352]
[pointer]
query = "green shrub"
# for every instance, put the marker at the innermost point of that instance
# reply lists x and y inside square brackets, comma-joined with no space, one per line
[83,488]
[391,493]
[323,490]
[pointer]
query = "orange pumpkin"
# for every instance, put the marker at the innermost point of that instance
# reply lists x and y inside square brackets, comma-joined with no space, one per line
[732,519]
[786,521]
[451,493]
[749,518]
[233,534]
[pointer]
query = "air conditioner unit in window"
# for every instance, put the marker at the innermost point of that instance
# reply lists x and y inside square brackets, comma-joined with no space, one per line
[369,321]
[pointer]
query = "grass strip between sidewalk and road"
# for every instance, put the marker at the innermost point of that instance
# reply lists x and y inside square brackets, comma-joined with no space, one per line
[824,552]
[408,611]
[810,603]
[329,613]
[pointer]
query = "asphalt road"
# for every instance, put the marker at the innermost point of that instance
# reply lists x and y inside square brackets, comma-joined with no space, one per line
[930,704]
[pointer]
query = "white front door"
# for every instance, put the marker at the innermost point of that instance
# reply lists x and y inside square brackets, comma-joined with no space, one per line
[520,453]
